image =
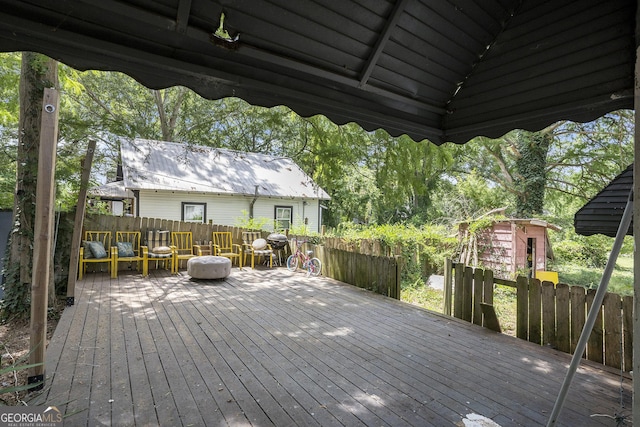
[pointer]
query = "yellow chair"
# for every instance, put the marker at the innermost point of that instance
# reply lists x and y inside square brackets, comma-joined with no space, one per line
[253,244]
[96,249]
[158,243]
[128,249]
[183,248]
[223,246]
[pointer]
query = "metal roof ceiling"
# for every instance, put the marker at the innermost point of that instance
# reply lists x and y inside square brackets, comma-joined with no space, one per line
[603,213]
[170,166]
[441,70]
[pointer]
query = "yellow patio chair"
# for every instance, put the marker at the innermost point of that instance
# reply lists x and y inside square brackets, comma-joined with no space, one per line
[129,249]
[222,243]
[96,249]
[158,243]
[253,244]
[183,248]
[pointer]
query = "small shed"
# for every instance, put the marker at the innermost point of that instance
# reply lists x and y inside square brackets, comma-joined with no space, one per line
[508,247]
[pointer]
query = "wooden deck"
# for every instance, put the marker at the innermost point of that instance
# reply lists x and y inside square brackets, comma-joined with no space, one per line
[269,347]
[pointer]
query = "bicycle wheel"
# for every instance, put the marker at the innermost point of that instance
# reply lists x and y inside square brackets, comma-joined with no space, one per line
[314,267]
[292,263]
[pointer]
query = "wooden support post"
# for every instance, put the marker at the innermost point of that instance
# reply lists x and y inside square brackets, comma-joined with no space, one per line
[77,225]
[43,236]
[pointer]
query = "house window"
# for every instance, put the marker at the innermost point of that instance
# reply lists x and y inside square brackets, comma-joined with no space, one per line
[194,212]
[283,217]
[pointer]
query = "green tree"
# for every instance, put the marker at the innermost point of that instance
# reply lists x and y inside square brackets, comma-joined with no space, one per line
[531,167]
[37,73]
[9,117]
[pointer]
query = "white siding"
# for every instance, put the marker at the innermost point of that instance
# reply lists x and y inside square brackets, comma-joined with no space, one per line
[225,210]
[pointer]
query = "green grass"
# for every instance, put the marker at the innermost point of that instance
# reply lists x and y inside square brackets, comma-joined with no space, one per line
[504,301]
[621,280]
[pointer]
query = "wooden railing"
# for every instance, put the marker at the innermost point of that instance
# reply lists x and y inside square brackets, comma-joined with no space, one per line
[380,274]
[546,314]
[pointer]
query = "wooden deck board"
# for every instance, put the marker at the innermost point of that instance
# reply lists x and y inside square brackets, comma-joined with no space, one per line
[268,347]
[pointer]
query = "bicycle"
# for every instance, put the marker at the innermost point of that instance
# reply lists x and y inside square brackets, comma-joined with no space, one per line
[304,260]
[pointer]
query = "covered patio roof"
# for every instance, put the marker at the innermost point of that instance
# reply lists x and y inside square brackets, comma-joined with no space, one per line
[444,71]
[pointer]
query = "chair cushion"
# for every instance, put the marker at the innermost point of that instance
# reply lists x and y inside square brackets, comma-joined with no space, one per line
[161,250]
[97,249]
[155,255]
[87,250]
[259,244]
[125,249]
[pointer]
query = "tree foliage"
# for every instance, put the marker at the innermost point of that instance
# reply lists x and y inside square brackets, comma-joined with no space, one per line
[37,73]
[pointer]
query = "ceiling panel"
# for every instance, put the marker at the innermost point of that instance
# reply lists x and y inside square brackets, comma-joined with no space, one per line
[437,70]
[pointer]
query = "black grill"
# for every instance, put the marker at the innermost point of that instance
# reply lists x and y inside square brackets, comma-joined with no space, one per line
[277,240]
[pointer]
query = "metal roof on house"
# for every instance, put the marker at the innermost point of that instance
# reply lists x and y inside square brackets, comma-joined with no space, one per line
[160,165]
[111,190]
[440,70]
[603,213]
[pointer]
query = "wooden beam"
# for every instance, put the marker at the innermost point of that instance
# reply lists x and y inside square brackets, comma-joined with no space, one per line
[43,235]
[182,20]
[77,225]
[382,41]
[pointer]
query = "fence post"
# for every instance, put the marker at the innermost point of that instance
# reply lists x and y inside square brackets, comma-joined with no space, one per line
[612,307]
[627,326]
[448,286]
[548,314]
[467,294]
[522,320]
[398,281]
[563,320]
[457,290]
[487,290]
[578,314]
[478,275]
[535,311]
[594,343]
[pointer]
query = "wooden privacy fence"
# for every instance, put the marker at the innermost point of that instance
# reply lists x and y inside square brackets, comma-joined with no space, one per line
[380,274]
[546,314]
[201,232]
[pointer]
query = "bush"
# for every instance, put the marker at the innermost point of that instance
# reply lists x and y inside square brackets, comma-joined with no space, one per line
[592,251]
[423,248]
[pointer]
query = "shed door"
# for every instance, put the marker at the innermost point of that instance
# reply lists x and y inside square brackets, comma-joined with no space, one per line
[531,256]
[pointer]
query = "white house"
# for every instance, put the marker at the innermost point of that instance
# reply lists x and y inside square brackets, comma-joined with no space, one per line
[202,184]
